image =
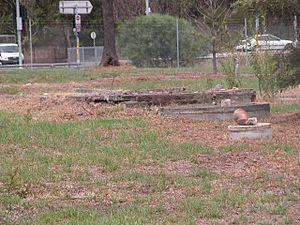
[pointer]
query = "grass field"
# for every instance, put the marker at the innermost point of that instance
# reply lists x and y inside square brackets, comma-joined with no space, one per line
[116,165]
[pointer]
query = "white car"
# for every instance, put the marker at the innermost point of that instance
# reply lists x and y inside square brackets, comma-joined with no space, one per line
[9,53]
[265,41]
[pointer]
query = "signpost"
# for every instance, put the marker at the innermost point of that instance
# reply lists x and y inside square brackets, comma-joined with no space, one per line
[93,36]
[76,8]
[19,30]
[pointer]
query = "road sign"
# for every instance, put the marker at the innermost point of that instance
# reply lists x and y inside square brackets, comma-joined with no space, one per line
[75,7]
[78,23]
[93,35]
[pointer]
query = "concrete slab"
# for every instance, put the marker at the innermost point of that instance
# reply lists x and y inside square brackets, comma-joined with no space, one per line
[167,96]
[208,112]
[258,131]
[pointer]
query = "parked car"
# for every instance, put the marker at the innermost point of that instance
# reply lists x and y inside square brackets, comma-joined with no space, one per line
[9,53]
[265,41]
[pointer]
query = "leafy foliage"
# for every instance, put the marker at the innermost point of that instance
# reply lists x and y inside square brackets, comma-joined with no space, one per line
[211,19]
[288,69]
[230,67]
[273,9]
[151,41]
[264,66]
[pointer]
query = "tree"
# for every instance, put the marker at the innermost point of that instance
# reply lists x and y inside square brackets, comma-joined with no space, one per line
[211,16]
[288,69]
[109,56]
[283,10]
[6,17]
[151,41]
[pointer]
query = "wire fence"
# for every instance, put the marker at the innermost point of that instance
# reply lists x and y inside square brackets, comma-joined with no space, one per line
[56,43]
[87,56]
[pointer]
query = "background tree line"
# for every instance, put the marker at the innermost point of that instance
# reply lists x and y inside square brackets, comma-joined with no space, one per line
[47,21]
[211,17]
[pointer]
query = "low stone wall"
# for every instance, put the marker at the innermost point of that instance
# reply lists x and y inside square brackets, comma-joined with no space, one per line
[169,97]
[207,112]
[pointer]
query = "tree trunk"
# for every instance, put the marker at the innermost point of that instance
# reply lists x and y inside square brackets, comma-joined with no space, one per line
[109,56]
[214,60]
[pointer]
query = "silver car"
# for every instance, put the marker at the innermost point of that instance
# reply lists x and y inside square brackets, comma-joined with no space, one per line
[265,41]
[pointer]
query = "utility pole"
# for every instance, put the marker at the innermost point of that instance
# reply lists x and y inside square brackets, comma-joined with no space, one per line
[246,37]
[295,31]
[77,30]
[257,30]
[177,42]
[19,30]
[30,40]
[147,8]
[246,27]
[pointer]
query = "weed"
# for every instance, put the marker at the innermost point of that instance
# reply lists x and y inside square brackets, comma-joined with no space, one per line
[266,222]
[279,208]
[206,187]
[286,221]
[241,219]
[267,176]
[230,67]
[27,116]
[205,173]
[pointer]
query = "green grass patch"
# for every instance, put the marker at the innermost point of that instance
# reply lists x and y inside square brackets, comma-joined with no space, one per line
[277,150]
[205,173]
[285,107]
[190,84]
[49,150]
[279,208]
[115,216]
[235,147]
[156,181]
[10,90]
[202,207]
[216,204]
[67,75]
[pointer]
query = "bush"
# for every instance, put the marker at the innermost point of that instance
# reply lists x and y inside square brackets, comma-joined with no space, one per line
[288,69]
[264,66]
[230,68]
[150,41]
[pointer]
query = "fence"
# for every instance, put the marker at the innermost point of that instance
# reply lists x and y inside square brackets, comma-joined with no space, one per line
[86,56]
[55,43]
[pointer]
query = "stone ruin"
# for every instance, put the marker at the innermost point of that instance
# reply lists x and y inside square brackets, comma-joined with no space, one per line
[218,103]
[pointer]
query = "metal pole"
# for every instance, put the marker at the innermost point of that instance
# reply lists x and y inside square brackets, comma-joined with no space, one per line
[19,30]
[78,47]
[95,50]
[177,41]
[295,30]
[246,36]
[246,28]
[30,41]
[77,37]
[256,30]
[147,7]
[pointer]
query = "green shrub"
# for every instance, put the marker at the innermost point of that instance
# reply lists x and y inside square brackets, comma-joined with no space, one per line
[288,69]
[231,71]
[264,66]
[150,41]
